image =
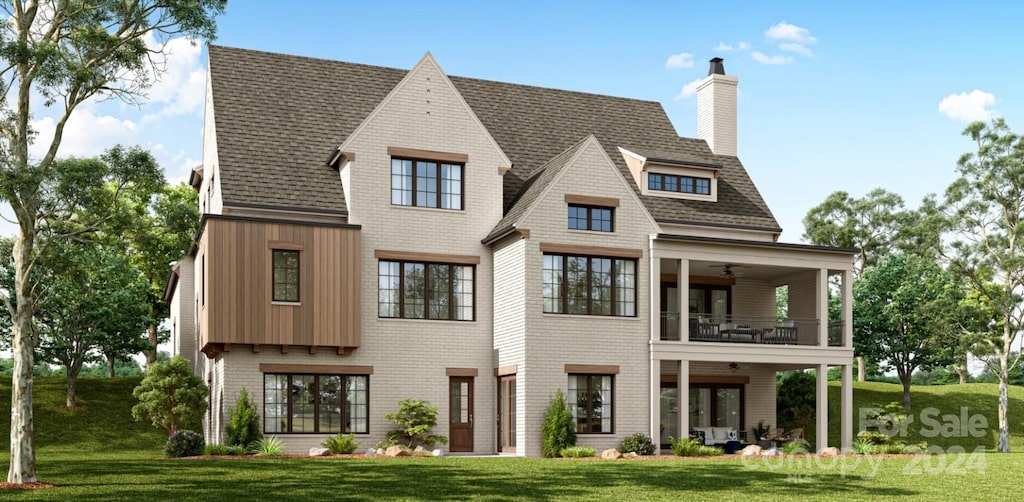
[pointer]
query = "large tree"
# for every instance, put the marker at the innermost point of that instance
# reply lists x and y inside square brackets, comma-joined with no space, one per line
[907,316]
[986,208]
[65,53]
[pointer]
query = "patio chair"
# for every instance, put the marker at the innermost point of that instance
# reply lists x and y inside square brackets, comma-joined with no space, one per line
[793,435]
[774,435]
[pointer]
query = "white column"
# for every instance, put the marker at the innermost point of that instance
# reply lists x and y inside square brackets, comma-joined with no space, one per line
[655,298]
[846,407]
[683,391]
[821,307]
[655,431]
[683,295]
[821,408]
[848,308]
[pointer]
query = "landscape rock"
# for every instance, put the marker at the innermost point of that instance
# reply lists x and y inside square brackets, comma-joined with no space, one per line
[770,452]
[420,448]
[751,451]
[371,451]
[396,451]
[611,454]
[437,452]
[319,452]
[830,452]
[631,454]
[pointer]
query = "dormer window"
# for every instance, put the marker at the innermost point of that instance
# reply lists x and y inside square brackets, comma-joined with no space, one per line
[680,184]
[594,218]
[674,178]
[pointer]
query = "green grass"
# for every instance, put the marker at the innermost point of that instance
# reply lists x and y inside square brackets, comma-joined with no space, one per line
[97,452]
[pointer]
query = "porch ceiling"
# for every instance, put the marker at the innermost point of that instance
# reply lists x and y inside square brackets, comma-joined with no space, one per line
[740,270]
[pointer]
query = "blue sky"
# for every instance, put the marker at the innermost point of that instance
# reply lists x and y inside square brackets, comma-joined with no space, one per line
[832,96]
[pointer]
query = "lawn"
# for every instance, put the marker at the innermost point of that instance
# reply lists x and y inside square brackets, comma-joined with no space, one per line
[97,452]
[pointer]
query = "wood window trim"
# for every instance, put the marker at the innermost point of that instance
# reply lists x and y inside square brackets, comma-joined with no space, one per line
[614,288]
[286,245]
[346,408]
[453,259]
[396,151]
[591,200]
[590,408]
[597,251]
[298,277]
[507,370]
[590,211]
[461,372]
[316,369]
[592,369]
[451,293]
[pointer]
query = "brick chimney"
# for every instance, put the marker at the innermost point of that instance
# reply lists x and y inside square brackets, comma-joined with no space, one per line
[716,109]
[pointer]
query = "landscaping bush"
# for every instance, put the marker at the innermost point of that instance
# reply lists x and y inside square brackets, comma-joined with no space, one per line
[873,437]
[577,452]
[638,443]
[269,446]
[341,443]
[559,431]
[184,443]
[223,450]
[862,448]
[243,428]
[692,448]
[794,448]
[171,396]
[415,419]
[795,403]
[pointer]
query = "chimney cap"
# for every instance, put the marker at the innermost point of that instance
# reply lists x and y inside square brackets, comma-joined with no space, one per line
[716,67]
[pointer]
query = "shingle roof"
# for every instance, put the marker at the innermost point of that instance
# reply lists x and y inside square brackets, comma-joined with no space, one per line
[279,117]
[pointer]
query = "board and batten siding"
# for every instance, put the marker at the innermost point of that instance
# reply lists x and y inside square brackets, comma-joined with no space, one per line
[238,307]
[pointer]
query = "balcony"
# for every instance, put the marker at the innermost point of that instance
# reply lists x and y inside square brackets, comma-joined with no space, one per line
[750,330]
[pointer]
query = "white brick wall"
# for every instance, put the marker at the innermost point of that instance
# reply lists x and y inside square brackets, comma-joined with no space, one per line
[182,314]
[753,298]
[716,113]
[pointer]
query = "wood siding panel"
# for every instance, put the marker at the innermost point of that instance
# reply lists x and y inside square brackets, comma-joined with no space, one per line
[239,309]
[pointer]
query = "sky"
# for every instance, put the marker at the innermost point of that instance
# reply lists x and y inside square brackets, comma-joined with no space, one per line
[832,96]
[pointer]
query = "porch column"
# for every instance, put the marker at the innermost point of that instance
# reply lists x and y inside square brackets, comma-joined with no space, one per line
[821,307]
[683,404]
[655,298]
[848,308]
[655,431]
[821,408]
[846,422]
[683,294]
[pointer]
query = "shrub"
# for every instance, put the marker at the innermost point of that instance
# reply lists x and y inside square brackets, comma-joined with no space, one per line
[638,443]
[862,448]
[577,452]
[794,448]
[223,450]
[873,437]
[171,396]
[415,419]
[384,444]
[243,428]
[559,431]
[184,443]
[692,448]
[795,403]
[269,446]
[341,443]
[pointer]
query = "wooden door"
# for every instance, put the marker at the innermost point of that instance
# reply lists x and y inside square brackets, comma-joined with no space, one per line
[460,413]
[507,414]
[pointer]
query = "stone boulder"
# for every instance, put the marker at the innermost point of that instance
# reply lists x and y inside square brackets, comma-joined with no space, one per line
[437,452]
[830,452]
[396,451]
[631,454]
[611,454]
[420,449]
[751,451]
[319,452]
[770,452]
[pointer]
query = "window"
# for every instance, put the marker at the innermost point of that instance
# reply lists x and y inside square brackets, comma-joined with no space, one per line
[598,219]
[589,285]
[426,183]
[681,184]
[315,404]
[590,399]
[717,405]
[286,275]
[414,290]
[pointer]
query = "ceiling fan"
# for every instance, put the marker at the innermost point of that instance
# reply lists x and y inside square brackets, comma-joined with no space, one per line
[727,270]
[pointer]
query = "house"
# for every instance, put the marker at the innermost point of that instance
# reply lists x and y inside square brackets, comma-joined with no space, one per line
[372,234]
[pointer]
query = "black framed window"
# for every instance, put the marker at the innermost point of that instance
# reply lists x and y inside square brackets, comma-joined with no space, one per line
[316,404]
[416,290]
[286,275]
[590,399]
[426,183]
[596,218]
[679,184]
[589,285]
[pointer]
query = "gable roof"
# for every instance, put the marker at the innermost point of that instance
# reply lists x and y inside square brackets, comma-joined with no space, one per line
[279,117]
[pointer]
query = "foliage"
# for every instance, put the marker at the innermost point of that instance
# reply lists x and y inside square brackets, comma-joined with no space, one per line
[243,428]
[1014,377]
[794,448]
[384,444]
[862,448]
[638,443]
[873,437]
[943,375]
[341,444]
[224,450]
[415,420]
[577,452]
[269,446]
[559,430]
[692,448]
[184,443]
[171,396]
[761,429]
[795,401]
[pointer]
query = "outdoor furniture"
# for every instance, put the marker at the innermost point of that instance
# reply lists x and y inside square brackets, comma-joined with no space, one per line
[793,435]
[784,334]
[774,435]
[709,331]
[715,435]
[739,332]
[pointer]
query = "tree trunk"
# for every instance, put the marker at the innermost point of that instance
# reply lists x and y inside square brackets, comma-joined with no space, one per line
[960,367]
[72,381]
[1004,426]
[110,366]
[862,373]
[153,340]
[23,453]
[906,391]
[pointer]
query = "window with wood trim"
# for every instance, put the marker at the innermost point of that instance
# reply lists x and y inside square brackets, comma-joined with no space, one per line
[590,285]
[316,404]
[418,290]
[590,400]
[286,275]
[426,183]
[680,184]
[595,218]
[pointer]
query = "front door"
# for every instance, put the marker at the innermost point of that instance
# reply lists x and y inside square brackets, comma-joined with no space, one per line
[460,402]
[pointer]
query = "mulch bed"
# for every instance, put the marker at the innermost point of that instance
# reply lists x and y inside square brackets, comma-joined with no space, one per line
[25,486]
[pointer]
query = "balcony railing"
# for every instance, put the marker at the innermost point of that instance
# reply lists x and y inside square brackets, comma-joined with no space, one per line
[749,329]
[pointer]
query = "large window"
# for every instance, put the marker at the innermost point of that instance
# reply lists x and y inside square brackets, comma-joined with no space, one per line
[680,184]
[716,405]
[589,285]
[426,183]
[590,399]
[315,404]
[286,275]
[415,290]
[598,219]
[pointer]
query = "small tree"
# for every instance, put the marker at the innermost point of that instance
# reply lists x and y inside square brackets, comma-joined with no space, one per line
[559,430]
[416,419]
[795,405]
[243,427]
[171,396]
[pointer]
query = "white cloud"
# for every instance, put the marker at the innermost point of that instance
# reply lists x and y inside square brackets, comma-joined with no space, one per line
[679,61]
[688,90]
[86,134]
[797,48]
[777,59]
[790,32]
[724,47]
[968,106]
[743,46]
[179,82]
